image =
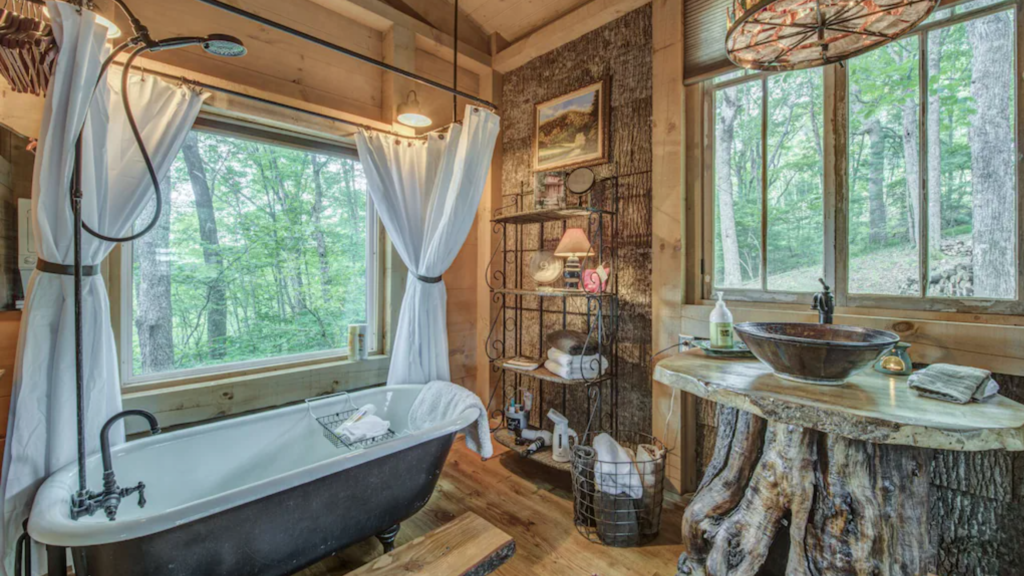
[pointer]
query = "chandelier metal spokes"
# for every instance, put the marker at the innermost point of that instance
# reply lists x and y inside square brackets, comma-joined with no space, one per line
[794,34]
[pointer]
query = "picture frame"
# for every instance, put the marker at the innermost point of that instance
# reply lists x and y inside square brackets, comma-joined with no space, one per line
[549,190]
[572,130]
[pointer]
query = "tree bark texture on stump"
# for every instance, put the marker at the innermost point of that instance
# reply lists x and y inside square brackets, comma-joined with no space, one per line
[850,507]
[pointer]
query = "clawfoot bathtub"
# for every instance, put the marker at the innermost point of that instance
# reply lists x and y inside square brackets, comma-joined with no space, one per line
[260,495]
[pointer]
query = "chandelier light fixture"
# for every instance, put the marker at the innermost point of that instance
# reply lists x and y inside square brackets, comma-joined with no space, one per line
[778,35]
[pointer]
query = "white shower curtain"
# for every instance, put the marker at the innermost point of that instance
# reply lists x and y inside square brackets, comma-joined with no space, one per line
[427,193]
[41,432]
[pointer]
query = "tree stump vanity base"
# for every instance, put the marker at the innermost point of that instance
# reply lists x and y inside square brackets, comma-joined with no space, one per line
[850,507]
[843,470]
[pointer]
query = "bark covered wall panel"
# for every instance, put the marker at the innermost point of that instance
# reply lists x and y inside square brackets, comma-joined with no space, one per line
[620,52]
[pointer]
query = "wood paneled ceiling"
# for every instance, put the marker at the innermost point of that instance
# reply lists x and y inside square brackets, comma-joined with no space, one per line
[514,19]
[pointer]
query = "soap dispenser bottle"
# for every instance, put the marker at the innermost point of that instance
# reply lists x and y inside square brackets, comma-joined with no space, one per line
[721,325]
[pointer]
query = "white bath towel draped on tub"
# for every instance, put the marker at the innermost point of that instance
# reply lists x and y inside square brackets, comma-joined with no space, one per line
[441,401]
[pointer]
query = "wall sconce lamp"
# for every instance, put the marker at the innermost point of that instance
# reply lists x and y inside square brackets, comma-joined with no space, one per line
[411,114]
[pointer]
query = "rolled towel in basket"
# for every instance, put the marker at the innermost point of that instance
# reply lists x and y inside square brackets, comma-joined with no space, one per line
[367,427]
[614,469]
[648,459]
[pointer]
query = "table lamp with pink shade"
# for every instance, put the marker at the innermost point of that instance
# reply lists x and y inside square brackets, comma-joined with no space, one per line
[573,246]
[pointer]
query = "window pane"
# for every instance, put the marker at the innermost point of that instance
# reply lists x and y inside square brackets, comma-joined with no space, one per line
[738,186]
[972,224]
[796,228]
[260,253]
[945,13]
[884,170]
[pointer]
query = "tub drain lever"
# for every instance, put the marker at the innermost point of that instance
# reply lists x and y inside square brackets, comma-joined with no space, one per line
[109,500]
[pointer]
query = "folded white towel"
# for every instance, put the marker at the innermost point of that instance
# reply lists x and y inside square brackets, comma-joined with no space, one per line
[367,427]
[440,401]
[556,355]
[614,470]
[574,372]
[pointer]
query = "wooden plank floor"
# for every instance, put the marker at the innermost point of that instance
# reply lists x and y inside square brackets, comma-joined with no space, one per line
[533,504]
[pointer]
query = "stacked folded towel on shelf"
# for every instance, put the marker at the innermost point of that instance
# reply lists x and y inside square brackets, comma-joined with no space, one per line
[959,384]
[570,367]
[572,342]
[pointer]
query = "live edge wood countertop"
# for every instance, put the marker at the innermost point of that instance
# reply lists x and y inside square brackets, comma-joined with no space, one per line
[871,406]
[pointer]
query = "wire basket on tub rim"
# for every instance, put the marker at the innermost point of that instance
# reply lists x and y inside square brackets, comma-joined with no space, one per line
[619,503]
[330,422]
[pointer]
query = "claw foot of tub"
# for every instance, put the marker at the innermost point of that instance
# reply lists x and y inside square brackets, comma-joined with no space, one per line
[387,537]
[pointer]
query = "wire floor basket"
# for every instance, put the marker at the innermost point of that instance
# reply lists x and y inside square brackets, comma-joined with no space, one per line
[331,421]
[619,504]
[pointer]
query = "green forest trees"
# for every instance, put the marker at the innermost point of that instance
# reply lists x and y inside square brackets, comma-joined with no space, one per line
[260,252]
[966,168]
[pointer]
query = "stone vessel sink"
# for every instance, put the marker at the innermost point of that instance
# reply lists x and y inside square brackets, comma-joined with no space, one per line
[815,353]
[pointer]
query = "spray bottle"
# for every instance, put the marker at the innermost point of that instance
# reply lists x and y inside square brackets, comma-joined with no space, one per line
[561,451]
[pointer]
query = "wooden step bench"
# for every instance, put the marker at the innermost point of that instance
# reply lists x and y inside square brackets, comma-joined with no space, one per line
[466,546]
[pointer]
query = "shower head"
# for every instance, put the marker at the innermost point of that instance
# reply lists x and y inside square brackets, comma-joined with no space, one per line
[224,45]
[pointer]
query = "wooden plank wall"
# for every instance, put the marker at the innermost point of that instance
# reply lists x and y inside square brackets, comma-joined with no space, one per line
[620,52]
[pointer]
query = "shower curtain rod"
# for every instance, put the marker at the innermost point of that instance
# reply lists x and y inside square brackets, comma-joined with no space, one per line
[350,53]
[184,79]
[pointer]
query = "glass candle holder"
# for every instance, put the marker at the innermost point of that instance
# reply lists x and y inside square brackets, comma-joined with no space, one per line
[896,361]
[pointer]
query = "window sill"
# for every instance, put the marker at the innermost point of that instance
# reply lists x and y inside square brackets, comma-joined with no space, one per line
[991,341]
[219,396]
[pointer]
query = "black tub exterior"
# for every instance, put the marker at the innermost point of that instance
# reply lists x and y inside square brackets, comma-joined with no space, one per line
[287,531]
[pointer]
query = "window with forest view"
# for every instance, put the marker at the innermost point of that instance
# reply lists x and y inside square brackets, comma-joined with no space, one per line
[784,150]
[930,165]
[958,165]
[263,251]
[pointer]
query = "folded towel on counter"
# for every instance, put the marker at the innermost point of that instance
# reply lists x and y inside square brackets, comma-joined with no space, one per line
[440,401]
[365,428]
[575,373]
[577,362]
[959,384]
[571,342]
[614,470]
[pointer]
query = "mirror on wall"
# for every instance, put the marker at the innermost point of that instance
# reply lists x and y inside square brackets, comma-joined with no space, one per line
[17,247]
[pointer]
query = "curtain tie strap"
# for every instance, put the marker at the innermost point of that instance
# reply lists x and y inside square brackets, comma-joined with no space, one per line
[427,279]
[65,269]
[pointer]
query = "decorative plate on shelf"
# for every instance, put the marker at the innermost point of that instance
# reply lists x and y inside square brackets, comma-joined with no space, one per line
[739,349]
[545,268]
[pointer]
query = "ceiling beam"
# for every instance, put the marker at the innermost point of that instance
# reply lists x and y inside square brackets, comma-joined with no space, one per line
[438,13]
[584,19]
[381,16]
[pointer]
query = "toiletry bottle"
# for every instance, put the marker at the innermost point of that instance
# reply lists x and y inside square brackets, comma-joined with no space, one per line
[721,325]
[511,418]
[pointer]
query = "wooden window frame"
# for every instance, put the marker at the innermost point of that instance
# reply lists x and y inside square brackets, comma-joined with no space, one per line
[118,275]
[836,188]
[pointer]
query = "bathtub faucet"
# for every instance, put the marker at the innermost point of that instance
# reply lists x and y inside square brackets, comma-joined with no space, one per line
[87,504]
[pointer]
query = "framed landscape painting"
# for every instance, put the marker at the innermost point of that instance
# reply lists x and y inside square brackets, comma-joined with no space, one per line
[571,130]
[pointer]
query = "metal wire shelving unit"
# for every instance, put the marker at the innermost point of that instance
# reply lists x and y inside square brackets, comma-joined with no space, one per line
[521,305]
